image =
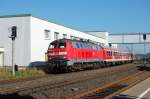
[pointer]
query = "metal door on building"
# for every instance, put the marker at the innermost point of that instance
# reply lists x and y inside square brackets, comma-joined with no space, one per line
[1,59]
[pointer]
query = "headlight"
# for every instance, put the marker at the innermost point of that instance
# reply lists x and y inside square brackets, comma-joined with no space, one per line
[51,54]
[62,53]
[57,53]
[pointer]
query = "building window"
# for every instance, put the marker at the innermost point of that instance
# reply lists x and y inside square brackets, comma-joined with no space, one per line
[56,35]
[47,34]
[65,36]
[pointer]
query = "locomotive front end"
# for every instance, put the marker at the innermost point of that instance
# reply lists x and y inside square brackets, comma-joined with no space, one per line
[57,53]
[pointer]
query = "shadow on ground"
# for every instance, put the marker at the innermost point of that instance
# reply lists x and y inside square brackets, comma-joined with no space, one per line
[15,96]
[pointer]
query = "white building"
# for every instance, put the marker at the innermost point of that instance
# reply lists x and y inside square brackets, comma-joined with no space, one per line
[101,34]
[33,38]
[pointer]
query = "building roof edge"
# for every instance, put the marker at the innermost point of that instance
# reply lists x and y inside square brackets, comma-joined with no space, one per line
[17,15]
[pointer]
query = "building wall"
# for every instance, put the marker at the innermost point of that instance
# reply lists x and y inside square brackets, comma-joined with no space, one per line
[39,44]
[1,57]
[129,38]
[31,44]
[103,35]
[22,45]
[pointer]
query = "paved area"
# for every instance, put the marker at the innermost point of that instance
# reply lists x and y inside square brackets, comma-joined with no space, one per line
[139,91]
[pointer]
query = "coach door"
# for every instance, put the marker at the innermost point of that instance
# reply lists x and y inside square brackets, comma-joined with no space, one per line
[1,57]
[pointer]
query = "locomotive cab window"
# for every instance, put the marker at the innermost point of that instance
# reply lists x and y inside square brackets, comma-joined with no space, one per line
[58,44]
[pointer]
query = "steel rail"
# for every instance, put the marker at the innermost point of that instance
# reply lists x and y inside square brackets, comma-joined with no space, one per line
[132,78]
[39,88]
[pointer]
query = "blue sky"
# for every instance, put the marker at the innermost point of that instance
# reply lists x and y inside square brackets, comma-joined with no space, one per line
[115,16]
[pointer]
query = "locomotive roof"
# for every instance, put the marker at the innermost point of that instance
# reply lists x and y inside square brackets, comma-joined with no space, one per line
[64,40]
[106,48]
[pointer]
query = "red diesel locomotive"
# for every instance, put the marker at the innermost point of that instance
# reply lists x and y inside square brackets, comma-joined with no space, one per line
[71,55]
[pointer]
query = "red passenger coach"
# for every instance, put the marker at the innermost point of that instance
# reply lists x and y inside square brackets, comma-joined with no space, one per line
[70,55]
[114,56]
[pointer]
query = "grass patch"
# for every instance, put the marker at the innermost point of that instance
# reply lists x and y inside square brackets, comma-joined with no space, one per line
[32,72]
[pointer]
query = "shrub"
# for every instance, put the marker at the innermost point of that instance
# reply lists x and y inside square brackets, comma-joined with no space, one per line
[7,73]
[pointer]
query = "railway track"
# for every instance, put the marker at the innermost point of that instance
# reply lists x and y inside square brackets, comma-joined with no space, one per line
[114,88]
[61,86]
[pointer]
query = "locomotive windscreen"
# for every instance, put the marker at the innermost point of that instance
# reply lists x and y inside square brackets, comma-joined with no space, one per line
[58,44]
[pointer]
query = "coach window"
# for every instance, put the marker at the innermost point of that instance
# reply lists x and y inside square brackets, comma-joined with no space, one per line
[56,35]
[110,53]
[120,54]
[107,53]
[47,34]
[113,53]
[124,54]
